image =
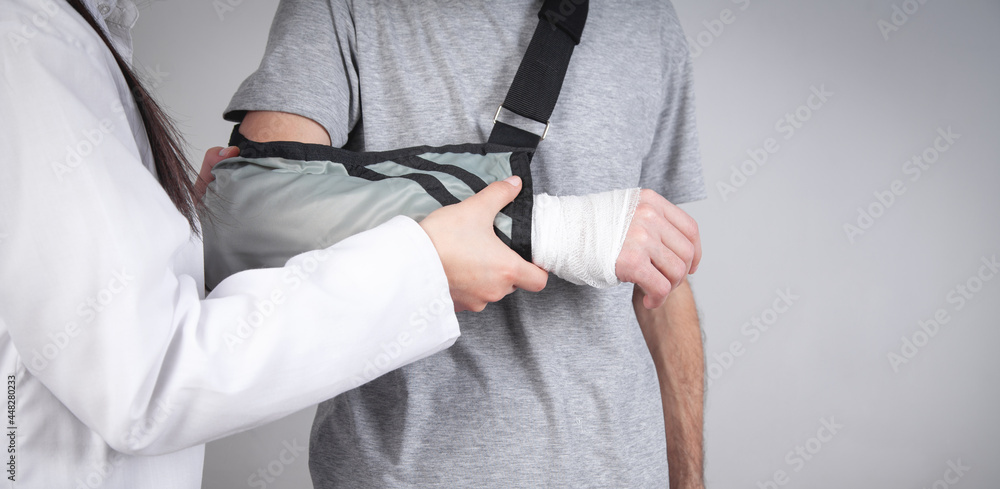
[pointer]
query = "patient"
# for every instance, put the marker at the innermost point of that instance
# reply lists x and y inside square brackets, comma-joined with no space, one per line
[555,388]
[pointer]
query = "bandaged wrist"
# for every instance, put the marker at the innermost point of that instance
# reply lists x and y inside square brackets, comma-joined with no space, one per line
[578,238]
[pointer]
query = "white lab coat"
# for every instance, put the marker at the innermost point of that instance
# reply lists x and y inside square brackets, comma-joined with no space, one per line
[118,368]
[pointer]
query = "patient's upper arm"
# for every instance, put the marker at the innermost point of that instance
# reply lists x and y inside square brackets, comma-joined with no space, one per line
[266,126]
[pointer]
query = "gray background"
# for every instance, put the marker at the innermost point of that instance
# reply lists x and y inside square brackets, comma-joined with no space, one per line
[827,355]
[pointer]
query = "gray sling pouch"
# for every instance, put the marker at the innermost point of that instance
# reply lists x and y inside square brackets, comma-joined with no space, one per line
[279,199]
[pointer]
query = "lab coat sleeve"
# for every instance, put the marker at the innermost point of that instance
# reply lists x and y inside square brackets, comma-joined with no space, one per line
[99,311]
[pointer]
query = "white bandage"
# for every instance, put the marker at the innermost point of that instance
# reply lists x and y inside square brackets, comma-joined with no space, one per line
[578,238]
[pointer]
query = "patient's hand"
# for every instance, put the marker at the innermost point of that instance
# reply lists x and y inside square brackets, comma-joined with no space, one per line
[212,157]
[480,268]
[661,247]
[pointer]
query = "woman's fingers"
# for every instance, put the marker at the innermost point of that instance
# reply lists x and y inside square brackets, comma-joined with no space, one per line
[529,277]
[480,268]
[212,157]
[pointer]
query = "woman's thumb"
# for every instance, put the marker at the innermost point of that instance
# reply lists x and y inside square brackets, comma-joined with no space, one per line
[498,194]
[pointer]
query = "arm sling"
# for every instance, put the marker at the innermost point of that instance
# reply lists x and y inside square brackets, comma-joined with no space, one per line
[279,199]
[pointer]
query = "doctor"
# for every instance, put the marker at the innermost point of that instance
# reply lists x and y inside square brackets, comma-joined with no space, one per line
[118,368]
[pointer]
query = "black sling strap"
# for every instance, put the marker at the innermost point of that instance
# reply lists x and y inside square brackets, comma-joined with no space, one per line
[535,89]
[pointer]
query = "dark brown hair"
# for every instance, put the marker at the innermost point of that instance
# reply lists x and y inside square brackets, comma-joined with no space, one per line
[172,168]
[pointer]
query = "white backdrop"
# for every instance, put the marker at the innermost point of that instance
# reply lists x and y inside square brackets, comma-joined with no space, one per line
[851,235]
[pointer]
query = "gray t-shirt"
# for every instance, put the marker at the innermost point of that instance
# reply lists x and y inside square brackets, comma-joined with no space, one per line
[549,389]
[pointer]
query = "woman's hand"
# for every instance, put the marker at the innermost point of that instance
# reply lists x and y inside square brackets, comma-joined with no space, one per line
[480,268]
[212,157]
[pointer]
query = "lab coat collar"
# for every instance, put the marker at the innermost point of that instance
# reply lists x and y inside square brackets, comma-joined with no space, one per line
[116,17]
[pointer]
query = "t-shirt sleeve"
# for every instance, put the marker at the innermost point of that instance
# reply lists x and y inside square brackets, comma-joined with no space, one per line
[308,68]
[673,165]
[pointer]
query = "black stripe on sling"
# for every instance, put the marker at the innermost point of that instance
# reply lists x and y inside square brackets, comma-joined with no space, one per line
[431,185]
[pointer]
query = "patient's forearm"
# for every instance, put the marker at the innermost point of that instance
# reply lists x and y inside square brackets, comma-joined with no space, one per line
[578,238]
